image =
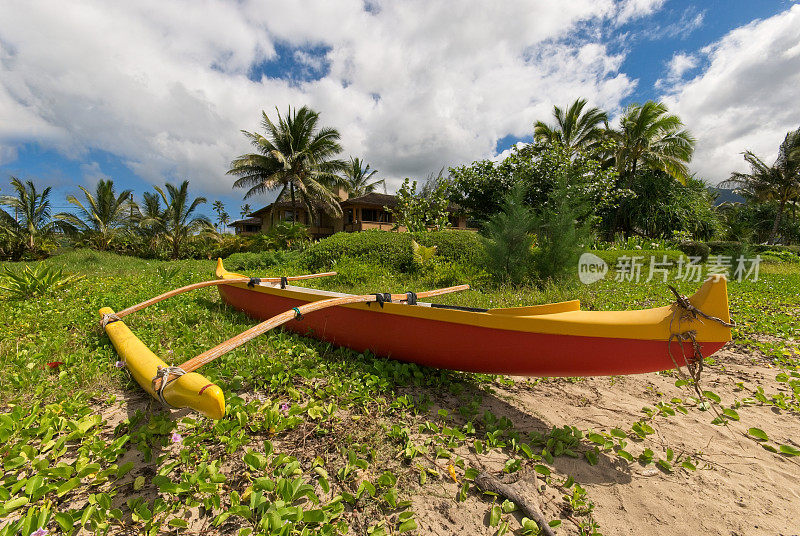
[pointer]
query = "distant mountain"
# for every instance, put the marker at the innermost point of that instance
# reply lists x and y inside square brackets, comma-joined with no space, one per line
[725,195]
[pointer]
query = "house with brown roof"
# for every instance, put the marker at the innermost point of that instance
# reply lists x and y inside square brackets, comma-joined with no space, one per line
[246,226]
[370,211]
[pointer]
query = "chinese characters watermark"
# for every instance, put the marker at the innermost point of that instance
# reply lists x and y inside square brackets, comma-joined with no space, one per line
[592,268]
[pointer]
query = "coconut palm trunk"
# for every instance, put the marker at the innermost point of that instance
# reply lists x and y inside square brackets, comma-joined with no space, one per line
[773,235]
[294,203]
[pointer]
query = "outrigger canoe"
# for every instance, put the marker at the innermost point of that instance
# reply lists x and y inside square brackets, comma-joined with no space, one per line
[557,339]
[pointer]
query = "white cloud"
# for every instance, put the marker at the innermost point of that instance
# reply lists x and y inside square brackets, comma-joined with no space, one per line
[747,97]
[412,86]
[680,63]
[677,67]
[690,21]
[632,9]
[92,174]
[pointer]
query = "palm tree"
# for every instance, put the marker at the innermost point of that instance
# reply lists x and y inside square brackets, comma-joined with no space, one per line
[779,182]
[219,208]
[179,221]
[31,223]
[356,179]
[101,216]
[574,129]
[245,210]
[152,218]
[293,155]
[224,219]
[649,135]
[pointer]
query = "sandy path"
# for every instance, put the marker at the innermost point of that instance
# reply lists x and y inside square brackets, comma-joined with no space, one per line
[739,487]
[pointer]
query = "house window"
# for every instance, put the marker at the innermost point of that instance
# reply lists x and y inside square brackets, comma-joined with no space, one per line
[287,215]
[349,215]
[369,214]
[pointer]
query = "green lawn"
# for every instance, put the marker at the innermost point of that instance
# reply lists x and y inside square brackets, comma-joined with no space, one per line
[316,438]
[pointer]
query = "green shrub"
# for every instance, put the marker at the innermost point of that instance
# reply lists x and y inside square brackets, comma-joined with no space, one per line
[734,249]
[422,255]
[562,237]
[761,248]
[611,255]
[719,247]
[353,273]
[209,247]
[458,246]
[781,255]
[508,240]
[392,250]
[37,281]
[695,249]
[249,262]
[377,247]
[282,235]
[449,274]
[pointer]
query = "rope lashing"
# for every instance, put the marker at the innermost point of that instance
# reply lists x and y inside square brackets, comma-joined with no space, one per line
[254,281]
[297,314]
[684,303]
[284,281]
[164,374]
[690,312]
[411,298]
[107,319]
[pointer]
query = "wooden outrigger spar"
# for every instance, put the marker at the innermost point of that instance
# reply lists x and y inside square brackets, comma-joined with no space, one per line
[180,386]
[557,339]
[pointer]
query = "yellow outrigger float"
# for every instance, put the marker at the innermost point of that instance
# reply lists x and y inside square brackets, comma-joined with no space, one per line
[190,390]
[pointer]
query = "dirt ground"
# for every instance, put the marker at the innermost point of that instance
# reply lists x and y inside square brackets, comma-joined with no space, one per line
[738,489]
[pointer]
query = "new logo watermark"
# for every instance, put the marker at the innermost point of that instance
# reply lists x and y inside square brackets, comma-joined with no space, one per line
[592,268]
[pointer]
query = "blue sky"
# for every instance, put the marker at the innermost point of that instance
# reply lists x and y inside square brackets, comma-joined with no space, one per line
[156,92]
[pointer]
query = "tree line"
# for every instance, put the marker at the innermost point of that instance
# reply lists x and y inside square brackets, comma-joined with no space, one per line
[166,217]
[629,179]
[635,178]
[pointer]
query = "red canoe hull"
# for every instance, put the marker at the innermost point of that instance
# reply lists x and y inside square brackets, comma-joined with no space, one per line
[465,347]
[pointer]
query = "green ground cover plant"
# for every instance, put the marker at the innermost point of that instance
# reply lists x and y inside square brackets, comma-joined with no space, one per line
[319,439]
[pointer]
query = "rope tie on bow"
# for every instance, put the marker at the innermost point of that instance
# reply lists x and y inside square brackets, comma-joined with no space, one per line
[164,374]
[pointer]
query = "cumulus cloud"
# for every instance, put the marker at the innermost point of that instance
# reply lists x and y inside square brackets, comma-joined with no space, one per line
[631,9]
[92,173]
[747,96]
[677,67]
[680,63]
[412,86]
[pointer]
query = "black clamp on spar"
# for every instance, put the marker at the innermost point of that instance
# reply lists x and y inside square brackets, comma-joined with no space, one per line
[411,298]
[284,281]
[254,281]
[380,299]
